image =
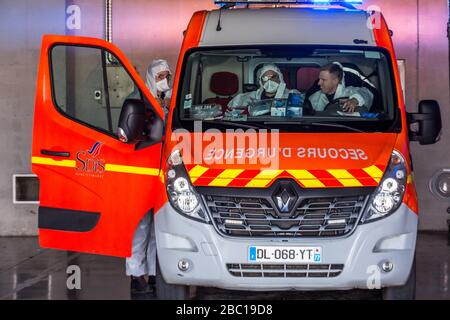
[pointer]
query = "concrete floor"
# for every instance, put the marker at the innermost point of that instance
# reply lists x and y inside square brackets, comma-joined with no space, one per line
[28,272]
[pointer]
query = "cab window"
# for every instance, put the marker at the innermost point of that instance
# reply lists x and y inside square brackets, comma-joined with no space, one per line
[224,84]
[90,86]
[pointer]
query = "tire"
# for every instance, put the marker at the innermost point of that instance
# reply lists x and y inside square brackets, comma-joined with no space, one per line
[166,291]
[405,292]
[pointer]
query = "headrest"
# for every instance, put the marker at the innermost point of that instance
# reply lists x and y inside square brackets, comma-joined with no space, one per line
[306,77]
[224,83]
[285,74]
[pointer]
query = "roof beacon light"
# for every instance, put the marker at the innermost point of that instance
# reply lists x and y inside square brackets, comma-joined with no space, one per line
[316,2]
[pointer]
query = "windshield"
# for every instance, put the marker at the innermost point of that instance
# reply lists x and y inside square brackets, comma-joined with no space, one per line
[293,89]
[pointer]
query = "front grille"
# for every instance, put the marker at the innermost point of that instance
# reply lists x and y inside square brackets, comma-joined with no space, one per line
[285,270]
[312,217]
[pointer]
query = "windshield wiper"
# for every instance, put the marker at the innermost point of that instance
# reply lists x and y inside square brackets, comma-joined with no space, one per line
[237,124]
[319,124]
[337,125]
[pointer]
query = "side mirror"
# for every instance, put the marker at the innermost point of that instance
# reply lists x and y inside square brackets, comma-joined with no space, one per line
[132,121]
[428,121]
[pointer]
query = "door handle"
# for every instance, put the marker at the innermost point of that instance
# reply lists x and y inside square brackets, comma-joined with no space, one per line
[55,153]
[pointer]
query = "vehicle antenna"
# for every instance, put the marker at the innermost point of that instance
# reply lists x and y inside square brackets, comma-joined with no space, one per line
[226,6]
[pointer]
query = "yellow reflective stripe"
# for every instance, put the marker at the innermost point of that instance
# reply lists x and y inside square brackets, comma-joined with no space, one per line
[410,179]
[374,172]
[225,177]
[263,178]
[307,179]
[345,177]
[350,183]
[132,169]
[52,162]
[311,183]
[302,174]
[196,172]
[258,183]
[108,167]
[268,174]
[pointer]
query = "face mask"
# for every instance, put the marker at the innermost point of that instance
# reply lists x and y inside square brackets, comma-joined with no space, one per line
[162,85]
[271,86]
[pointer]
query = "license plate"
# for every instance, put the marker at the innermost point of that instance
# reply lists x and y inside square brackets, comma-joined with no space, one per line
[285,254]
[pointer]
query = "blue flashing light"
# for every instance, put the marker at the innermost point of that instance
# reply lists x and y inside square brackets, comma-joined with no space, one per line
[317,2]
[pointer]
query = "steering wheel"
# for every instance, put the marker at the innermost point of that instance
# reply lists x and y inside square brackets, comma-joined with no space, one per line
[333,106]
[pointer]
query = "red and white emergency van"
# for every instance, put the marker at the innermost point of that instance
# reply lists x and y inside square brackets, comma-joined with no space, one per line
[271,195]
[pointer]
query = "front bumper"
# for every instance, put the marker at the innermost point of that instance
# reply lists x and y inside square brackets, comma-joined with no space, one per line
[362,253]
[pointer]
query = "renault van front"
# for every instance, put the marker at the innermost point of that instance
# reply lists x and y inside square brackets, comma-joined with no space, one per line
[264,199]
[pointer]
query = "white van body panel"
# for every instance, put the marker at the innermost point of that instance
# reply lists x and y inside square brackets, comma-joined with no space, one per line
[286,26]
[360,254]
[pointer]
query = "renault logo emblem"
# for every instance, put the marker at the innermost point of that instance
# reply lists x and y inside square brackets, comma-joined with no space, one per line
[283,201]
[285,198]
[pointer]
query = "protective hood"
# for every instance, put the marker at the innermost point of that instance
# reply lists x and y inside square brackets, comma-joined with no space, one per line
[156,67]
[282,85]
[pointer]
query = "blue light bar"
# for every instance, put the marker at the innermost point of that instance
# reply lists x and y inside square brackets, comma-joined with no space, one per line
[316,2]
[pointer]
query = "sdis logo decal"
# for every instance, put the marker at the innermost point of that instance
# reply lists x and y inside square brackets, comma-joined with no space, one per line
[88,162]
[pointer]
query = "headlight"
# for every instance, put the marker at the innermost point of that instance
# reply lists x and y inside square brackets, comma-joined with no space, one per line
[389,194]
[180,191]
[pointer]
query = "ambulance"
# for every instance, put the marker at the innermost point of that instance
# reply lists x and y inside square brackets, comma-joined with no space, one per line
[268,195]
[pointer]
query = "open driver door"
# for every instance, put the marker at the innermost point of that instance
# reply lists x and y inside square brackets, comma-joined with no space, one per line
[94,188]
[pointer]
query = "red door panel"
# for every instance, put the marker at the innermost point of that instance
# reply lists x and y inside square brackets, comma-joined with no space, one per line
[94,189]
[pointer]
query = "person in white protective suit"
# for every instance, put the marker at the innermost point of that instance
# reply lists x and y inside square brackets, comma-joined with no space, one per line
[158,82]
[332,87]
[143,256]
[271,86]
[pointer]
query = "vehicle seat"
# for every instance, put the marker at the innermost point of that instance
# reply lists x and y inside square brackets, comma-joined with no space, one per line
[286,78]
[224,85]
[306,77]
[354,78]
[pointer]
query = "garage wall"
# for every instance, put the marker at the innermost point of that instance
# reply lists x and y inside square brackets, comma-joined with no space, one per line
[143,29]
[21,25]
[420,38]
[149,29]
[432,82]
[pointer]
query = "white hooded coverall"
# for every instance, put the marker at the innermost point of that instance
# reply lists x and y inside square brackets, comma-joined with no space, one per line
[143,251]
[319,99]
[244,99]
[156,67]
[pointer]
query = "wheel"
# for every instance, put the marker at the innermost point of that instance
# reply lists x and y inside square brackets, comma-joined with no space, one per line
[405,292]
[166,291]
